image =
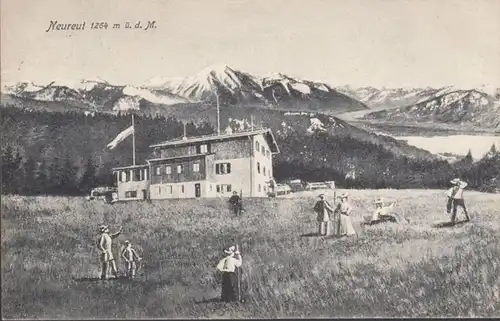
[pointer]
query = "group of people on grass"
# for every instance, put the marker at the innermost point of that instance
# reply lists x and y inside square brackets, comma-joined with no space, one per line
[128,254]
[337,222]
[330,219]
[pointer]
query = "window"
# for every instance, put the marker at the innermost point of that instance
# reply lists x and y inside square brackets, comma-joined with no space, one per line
[124,176]
[263,150]
[223,168]
[169,187]
[202,149]
[159,190]
[131,194]
[259,188]
[264,170]
[268,154]
[137,175]
[210,187]
[224,187]
[158,170]
[182,188]
[265,188]
[258,167]
[257,146]
[179,168]
[168,170]
[196,167]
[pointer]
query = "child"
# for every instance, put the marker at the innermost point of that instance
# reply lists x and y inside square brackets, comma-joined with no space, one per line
[130,256]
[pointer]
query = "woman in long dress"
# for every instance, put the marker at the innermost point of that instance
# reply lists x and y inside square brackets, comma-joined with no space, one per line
[343,210]
[227,266]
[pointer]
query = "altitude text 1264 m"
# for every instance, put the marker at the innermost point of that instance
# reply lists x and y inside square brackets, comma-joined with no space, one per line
[54,25]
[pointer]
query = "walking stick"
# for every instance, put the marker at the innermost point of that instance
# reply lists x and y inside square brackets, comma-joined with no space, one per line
[238,277]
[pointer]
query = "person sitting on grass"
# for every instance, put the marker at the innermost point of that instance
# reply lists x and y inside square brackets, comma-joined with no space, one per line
[382,213]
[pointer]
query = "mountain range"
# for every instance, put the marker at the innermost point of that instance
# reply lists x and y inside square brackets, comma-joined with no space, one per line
[471,108]
[277,91]
[230,86]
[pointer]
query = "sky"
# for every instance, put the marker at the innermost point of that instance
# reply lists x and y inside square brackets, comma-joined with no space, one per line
[357,42]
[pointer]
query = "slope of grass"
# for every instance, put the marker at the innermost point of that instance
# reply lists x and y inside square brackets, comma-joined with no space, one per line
[406,270]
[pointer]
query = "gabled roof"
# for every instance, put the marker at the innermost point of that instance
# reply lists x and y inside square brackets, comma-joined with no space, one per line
[200,139]
[130,167]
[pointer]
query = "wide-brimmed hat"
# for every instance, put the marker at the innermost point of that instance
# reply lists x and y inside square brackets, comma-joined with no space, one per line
[379,201]
[127,242]
[455,181]
[230,250]
[344,195]
[321,195]
[103,228]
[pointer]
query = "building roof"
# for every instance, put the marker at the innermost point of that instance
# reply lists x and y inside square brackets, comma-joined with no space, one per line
[199,139]
[130,167]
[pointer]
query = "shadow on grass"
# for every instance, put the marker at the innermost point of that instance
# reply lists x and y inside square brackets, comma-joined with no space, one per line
[212,300]
[121,278]
[309,235]
[448,224]
[219,300]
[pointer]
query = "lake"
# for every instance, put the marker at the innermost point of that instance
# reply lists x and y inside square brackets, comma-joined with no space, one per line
[455,144]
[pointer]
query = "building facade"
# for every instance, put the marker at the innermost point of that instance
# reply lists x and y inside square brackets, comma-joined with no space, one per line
[207,166]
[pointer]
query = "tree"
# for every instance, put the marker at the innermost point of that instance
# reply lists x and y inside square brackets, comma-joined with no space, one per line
[87,182]
[54,177]
[29,183]
[7,170]
[41,179]
[68,177]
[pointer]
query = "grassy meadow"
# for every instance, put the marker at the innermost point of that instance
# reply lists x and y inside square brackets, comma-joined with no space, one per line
[50,261]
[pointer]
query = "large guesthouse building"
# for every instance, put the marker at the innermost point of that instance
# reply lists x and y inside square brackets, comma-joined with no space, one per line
[205,166]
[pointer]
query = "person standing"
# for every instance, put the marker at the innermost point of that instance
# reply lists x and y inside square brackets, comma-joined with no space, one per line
[449,195]
[235,201]
[323,210]
[131,259]
[227,266]
[104,245]
[458,199]
[344,209]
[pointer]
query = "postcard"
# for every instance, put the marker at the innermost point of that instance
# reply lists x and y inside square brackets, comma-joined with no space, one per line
[250,159]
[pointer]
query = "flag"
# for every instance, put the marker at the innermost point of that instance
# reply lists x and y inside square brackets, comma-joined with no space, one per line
[121,136]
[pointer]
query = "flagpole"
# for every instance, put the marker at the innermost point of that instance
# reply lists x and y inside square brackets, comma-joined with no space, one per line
[218,113]
[133,140]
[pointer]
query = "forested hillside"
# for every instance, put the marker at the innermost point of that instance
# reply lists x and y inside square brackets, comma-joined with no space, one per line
[65,153]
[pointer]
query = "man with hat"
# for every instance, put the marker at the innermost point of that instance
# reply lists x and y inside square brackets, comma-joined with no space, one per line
[323,210]
[104,246]
[235,201]
[456,199]
[228,266]
[381,212]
